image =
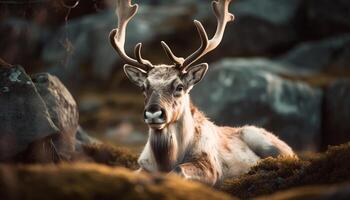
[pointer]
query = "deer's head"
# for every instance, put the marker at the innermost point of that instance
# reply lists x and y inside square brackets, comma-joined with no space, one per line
[166,87]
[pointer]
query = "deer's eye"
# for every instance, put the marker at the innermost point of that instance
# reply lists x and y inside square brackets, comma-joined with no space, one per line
[179,88]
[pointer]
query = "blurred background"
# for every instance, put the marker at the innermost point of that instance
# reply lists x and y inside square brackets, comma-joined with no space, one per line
[283,64]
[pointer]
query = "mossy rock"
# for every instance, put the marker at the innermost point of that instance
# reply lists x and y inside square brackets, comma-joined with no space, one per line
[274,174]
[93,181]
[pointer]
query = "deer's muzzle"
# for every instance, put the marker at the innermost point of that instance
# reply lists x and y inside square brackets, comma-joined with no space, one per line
[154,115]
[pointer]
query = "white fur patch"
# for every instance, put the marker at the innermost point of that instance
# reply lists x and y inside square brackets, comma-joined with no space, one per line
[255,138]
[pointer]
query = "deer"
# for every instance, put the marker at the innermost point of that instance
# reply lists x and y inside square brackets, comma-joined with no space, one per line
[181,139]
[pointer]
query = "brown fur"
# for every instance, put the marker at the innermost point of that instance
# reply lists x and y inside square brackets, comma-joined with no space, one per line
[200,166]
[227,133]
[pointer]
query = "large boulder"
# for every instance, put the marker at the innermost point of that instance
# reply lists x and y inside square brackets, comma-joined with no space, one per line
[336,113]
[24,117]
[330,54]
[239,95]
[274,66]
[261,27]
[82,138]
[62,109]
[322,18]
[21,41]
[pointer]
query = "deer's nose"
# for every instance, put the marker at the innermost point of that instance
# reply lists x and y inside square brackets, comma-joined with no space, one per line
[154,114]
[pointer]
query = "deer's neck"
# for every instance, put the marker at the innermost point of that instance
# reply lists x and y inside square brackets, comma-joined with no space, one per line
[170,144]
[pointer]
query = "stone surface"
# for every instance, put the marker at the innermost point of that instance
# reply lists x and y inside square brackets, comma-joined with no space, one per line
[261,27]
[24,40]
[274,66]
[330,54]
[62,109]
[24,117]
[323,18]
[242,95]
[336,113]
[83,138]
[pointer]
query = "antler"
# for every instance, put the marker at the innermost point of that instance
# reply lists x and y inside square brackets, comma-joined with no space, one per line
[220,8]
[176,60]
[125,11]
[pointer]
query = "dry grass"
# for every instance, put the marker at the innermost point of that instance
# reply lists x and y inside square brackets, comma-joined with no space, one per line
[106,181]
[272,175]
[328,192]
[110,155]
[92,181]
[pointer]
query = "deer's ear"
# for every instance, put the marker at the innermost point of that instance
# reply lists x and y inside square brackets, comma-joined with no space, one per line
[135,74]
[195,74]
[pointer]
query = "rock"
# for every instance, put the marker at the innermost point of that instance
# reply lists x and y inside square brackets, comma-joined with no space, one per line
[241,95]
[24,117]
[273,11]
[261,27]
[23,42]
[83,138]
[336,113]
[329,54]
[322,18]
[274,66]
[62,109]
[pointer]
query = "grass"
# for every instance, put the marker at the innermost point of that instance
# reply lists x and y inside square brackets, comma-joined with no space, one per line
[110,155]
[92,181]
[330,192]
[110,178]
[271,175]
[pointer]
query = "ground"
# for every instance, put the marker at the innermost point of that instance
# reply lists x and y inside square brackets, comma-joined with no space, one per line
[110,178]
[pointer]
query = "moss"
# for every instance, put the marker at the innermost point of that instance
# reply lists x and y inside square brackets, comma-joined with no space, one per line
[96,181]
[335,191]
[110,155]
[273,174]
[92,181]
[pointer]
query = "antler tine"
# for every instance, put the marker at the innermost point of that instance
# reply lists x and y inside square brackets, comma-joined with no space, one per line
[176,60]
[220,8]
[125,11]
[137,52]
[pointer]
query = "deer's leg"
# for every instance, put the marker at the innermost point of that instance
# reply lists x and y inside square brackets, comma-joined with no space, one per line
[199,170]
[141,170]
